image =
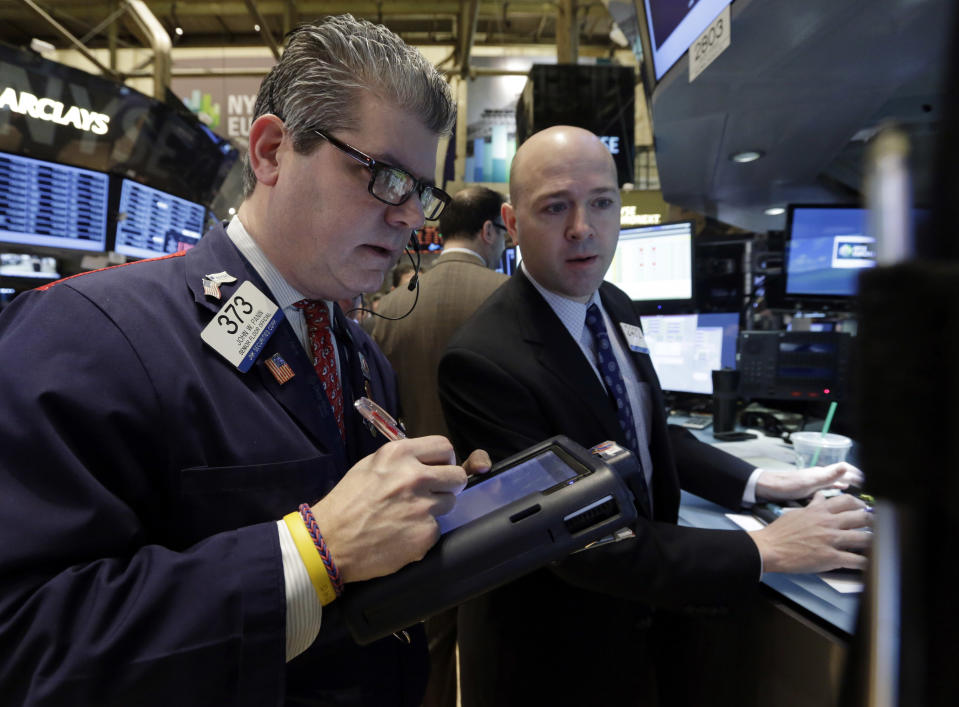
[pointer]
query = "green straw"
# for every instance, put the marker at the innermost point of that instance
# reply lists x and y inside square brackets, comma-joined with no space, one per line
[825,429]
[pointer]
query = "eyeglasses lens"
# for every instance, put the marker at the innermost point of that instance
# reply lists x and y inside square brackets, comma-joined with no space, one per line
[393,185]
[432,204]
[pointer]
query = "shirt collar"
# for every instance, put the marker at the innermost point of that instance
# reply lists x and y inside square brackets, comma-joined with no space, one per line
[459,249]
[283,292]
[570,312]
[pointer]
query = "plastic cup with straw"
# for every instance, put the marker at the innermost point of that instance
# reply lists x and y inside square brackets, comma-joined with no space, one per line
[814,447]
[825,431]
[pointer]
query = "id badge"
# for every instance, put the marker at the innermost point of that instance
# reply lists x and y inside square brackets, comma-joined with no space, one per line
[634,338]
[242,326]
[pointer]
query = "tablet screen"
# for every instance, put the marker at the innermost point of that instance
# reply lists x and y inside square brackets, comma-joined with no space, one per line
[536,474]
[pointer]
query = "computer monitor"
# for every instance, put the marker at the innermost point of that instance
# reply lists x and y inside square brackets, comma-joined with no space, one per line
[687,348]
[50,204]
[509,260]
[673,26]
[826,248]
[151,222]
[654,265]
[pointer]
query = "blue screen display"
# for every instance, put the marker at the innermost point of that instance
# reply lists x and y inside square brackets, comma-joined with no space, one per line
[509,260]
[827,249]
[151,222]
[49,204]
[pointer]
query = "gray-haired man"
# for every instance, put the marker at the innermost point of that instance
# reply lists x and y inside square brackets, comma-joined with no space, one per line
[179,433]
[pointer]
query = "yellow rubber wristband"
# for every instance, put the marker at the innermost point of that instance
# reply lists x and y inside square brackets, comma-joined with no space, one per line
[311,558]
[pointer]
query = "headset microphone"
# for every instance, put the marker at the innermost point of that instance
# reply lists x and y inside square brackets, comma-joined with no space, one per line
[414,281]
[413,285]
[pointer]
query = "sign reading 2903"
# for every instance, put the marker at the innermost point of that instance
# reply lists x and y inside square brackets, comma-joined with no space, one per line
[710,44]
[242,326]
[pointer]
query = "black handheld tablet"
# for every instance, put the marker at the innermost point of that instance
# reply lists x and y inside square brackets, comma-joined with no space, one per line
[531,509]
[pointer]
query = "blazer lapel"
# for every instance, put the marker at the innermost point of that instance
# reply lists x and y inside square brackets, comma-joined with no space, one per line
[558,353]
[304,399]
[620,311]
[665,486]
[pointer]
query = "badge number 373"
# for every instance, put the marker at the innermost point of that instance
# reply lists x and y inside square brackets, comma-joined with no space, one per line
[242,326]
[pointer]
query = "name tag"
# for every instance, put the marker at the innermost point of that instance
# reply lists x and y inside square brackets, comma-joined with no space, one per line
[634,337]
[242,326]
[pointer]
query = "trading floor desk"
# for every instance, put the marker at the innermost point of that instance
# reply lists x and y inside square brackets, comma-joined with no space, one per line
[790,646]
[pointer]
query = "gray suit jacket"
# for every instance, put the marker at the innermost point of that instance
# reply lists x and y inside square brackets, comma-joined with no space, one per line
[449,293]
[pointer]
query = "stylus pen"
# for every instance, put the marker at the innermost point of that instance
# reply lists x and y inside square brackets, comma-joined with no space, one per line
[380,419]
[390,428]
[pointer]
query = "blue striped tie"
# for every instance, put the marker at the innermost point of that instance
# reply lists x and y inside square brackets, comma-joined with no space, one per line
[613,378]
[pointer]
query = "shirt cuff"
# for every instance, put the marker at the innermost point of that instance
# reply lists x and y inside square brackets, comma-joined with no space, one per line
[749,493]
[304,613]
[749,499]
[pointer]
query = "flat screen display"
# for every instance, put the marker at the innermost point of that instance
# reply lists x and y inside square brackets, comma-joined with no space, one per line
[655,263]
[687,348]
[536,474]
[509,260]
[59,113]
[151,222]
[827,248]
[674,25]
[49,204]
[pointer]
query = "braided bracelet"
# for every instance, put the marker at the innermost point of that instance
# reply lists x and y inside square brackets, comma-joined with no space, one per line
[314,530]
[319,578]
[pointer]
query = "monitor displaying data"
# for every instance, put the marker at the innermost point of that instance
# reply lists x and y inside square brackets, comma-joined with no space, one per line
[151,222]
[687,348]
[655,263]
[49,204]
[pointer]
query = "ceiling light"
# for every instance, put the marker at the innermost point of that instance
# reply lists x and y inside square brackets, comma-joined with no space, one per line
[746,156]
[256,28]
[178,31]
[41,47]
[775,211]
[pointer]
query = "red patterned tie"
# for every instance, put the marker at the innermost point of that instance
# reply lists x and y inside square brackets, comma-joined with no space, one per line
[317,316]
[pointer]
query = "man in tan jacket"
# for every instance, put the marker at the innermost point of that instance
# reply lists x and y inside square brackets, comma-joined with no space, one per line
[458,283]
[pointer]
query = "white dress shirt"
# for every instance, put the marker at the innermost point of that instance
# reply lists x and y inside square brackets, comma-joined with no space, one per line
[573,316]
[304,613]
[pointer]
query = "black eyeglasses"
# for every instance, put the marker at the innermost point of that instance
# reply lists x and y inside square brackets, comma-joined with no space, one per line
[500,226]
[393,185]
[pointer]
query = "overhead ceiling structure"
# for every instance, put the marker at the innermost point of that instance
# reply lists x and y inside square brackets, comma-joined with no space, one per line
[247,22]
[805,85]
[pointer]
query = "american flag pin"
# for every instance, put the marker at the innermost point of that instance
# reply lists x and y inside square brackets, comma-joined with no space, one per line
[279,368]
[211,288]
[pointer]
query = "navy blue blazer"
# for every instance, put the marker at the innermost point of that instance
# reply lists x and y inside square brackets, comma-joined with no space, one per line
[141,478]
[512,376]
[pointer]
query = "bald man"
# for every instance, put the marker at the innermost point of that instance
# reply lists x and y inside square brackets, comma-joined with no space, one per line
[535,361]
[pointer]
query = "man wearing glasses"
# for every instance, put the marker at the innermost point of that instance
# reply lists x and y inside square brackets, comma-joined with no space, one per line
[414,338]
[180,461]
